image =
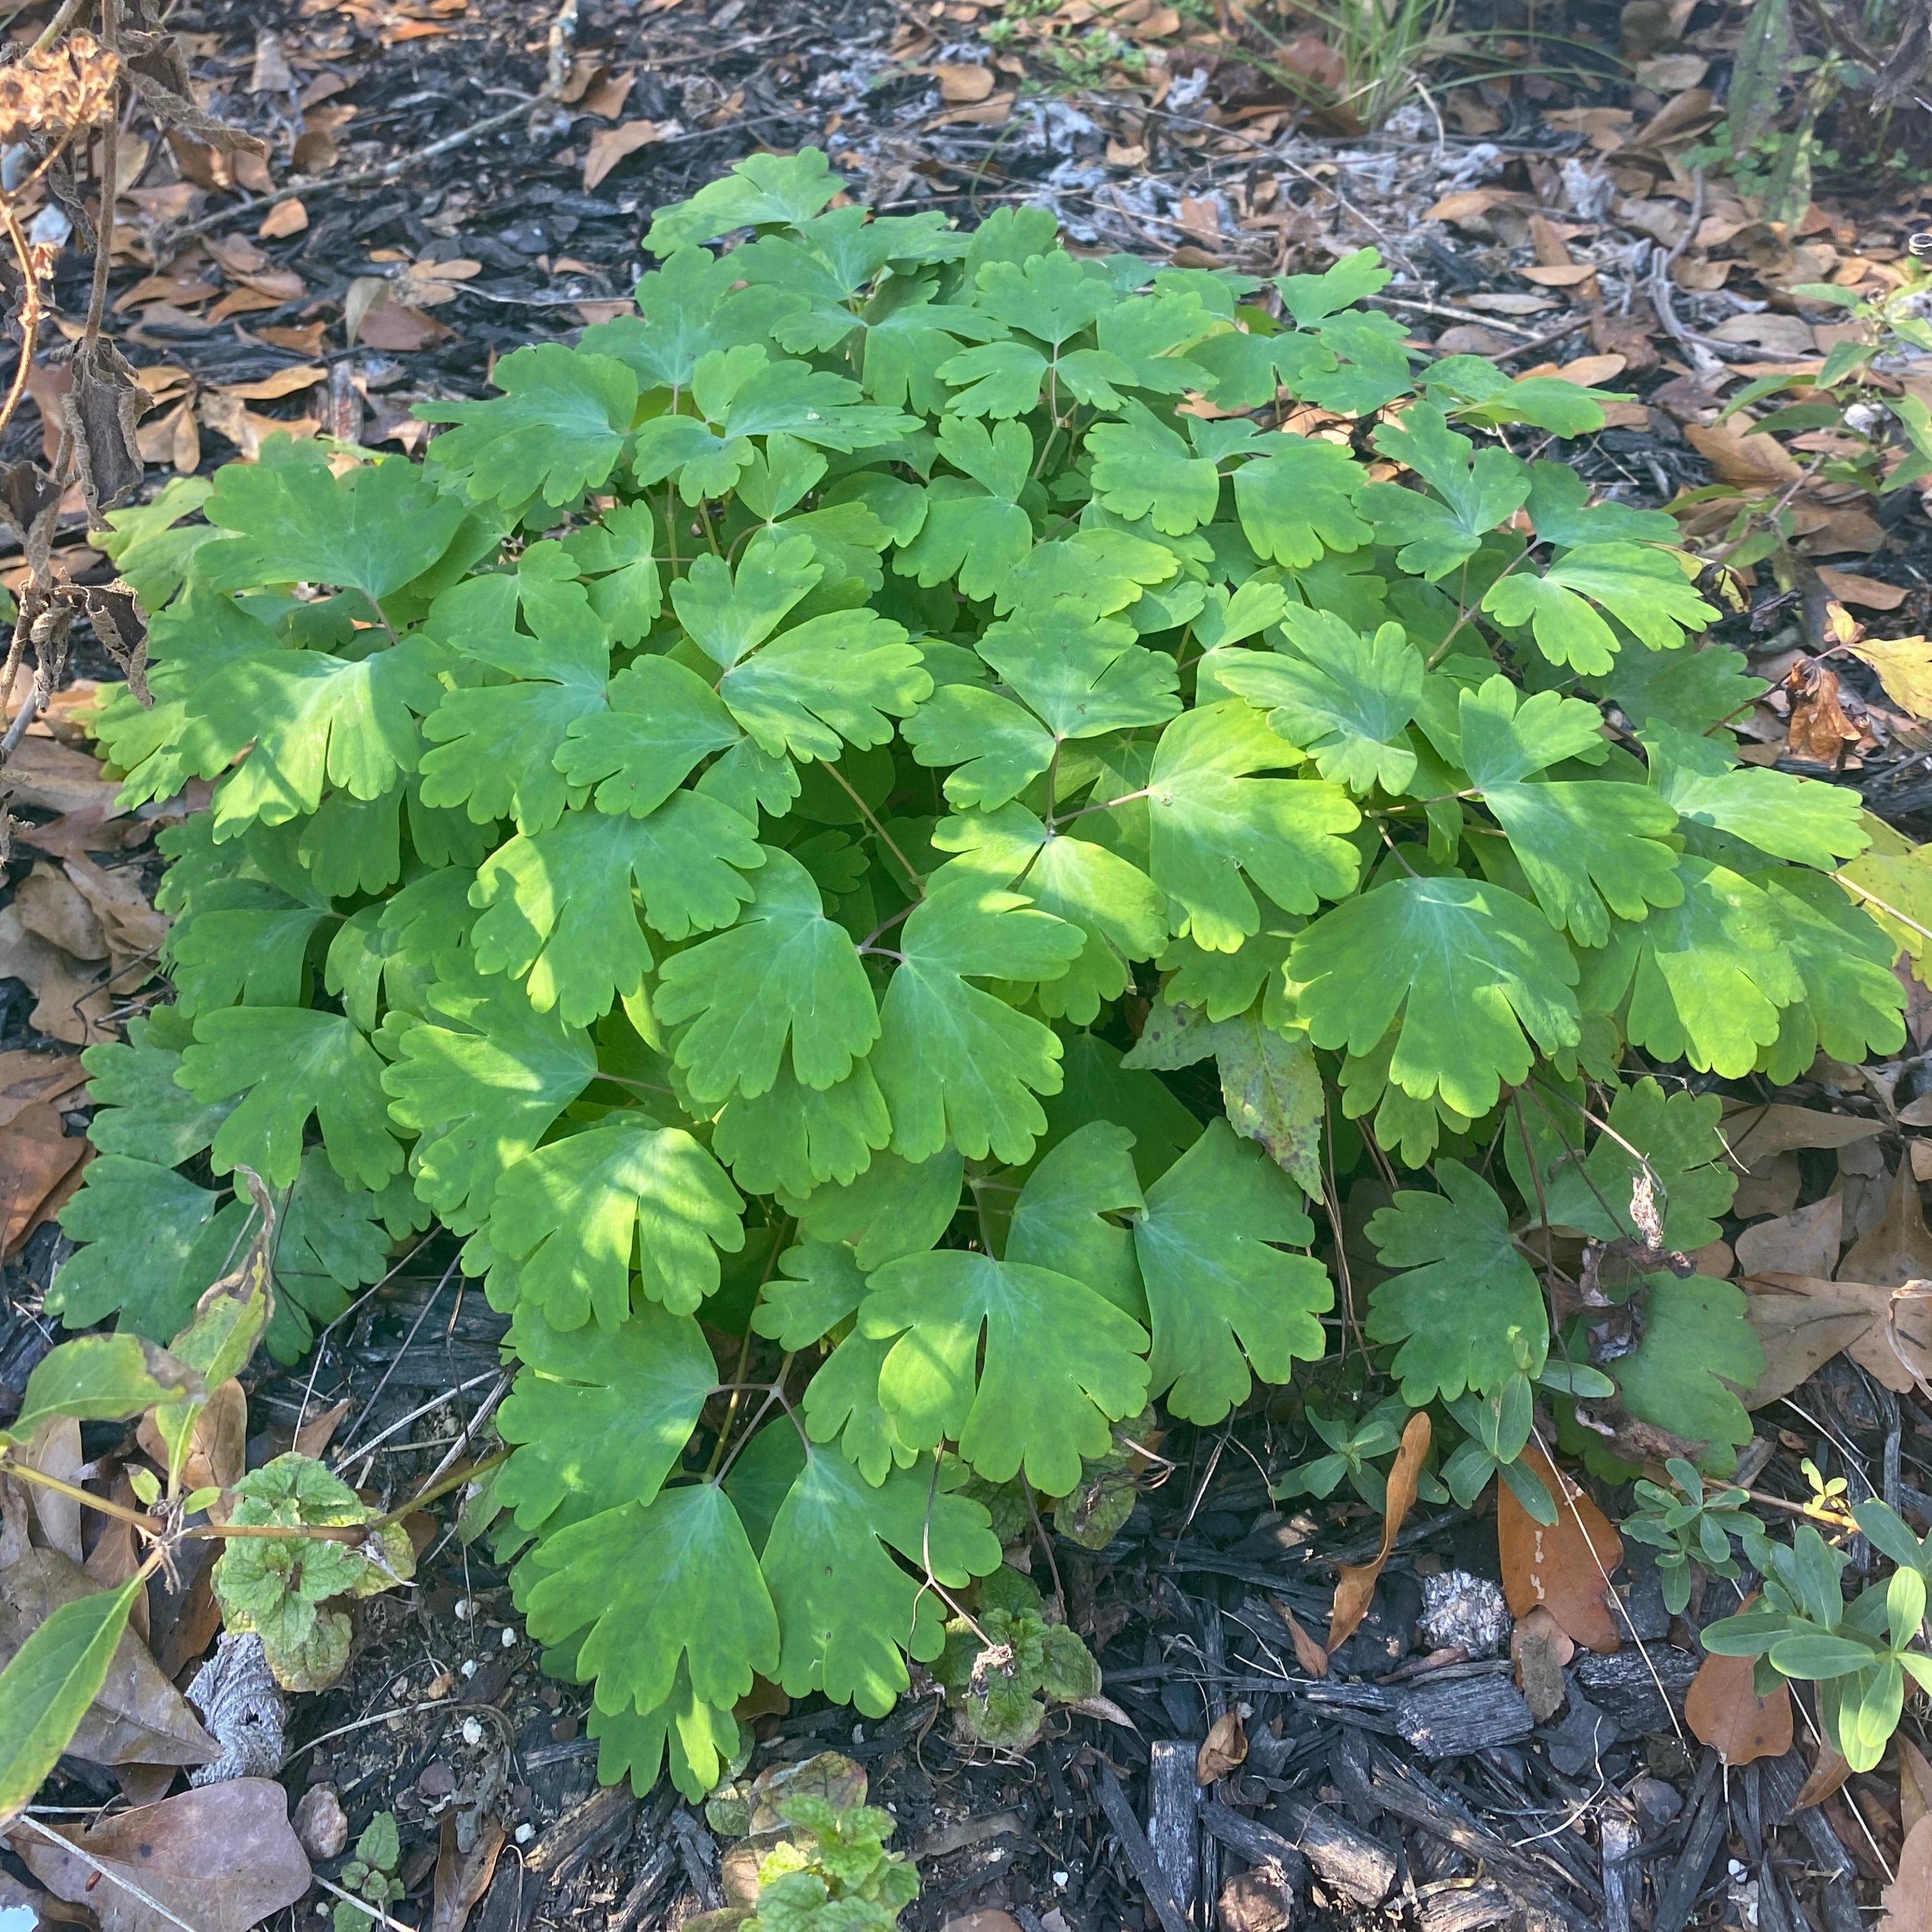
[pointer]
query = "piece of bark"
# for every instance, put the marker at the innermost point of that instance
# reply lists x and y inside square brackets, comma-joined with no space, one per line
[1623,1685]
[1463,1905]
[652,1876]
[1616,1839]
[1702,1843]
[1454,1718]
[1362,1867]
[1139,1853]
[1173,1830]
[1255,1842]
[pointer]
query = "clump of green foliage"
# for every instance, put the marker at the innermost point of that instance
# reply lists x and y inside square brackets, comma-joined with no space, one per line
[371,1874]
[1003,1666]
[740,832]
[831,1872]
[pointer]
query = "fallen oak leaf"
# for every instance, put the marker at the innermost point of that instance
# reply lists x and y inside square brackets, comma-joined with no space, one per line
[609,145]
[1566,1564]
[1827,1775]
[1908,1899]
[1804,1242]
[1223,1749]
[462,1877]
[1723,1710]
[36,1155]
[1801,1322]
[29,1079]
[1355,1582]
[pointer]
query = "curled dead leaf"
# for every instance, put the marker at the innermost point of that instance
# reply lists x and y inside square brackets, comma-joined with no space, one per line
[1225,1747]
[1308,1653]
[1355,1582]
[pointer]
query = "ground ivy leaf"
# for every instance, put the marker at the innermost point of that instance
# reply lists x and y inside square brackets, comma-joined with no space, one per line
[1142,468]
[1783,815]
[653,1585]
[292,1063]
[1111,900]
[1224,1301]
[573,1215]
[956,1062]
[480,1082]
[1211,822]
[144,1113]
[599,1419]
[558,906]
[785,972]
[1472,968]
[1297,500]
[374,529]
[848,1615]
[1853,1006]
[1696,1352]
[1060,1220]
[662,722]
[1468,1310]
[1342,698]
[557,430]
[1710,973]
[1061,1364]
[1677,1134]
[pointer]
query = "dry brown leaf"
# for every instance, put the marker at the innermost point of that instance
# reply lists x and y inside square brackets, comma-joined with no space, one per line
[1903,665]
[963,83]
[1869,593]
[1908,1899]
[71,999]
[272,389]
[134,930]
[1753,1133]
[307,339]
[29,1079]
[1801,1321]
[1771,1186]
[1826,1776]
[1804,1242]
[1355,1582]
[314,1435]
[463,1877]
[1224,1749]
[1915,1785]
[1819,731]
[139,1717]
[1776,335]
[1725,1712]
[395,326]
[609,145]
[217,1443]
[50,906]
[995,111]
[606,96]
[1540,1647]
[285,218]
[55,1451]
[1565,1565]
[1559,274]
[44,773]
[1897,1250]
[36,1155]
[1308,1653]
[222,1859]
[1736,455]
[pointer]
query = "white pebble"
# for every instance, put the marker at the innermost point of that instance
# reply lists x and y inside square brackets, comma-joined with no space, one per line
[1059,1878]
[858,1734]
[525,1833]
[507,1638]
[469,1667]
[463,1607]
[472,1732]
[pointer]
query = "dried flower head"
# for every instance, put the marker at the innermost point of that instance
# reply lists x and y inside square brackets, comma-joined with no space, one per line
[68,86]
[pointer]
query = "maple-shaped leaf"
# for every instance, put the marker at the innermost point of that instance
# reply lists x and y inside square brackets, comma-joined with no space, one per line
[1053,295]
[1642,588]
[1467,1308]
[573,1215]
[145,1255]
[1225,1305]
[1081,675]
[1142,468]
[1221,984]
[1298,500]
[695,1741]
[687,308]
[373,528]
[556,430]
[1061,1363]
[662,722]
[652,1586]
[956,1062]
[761,191]
[1062,1220]
[1364,366]
[494,745]
[1706,977]
[318,721]
[785,972]
[1560,510]
[558,905]
[1109,899]
[151,546]
[1476,391]
[994,747]
[1474,971]
[292,1063]
[817,1285]
[1581,845]
[142,1111]
[1787,817]
[849,1616]
[599,1419]
[1853,1006]
[1352,279]
[895,1207]
[842,1405]
[1211,822]
[1478,489]
[480,1082]
[1102,570]
[974,530]
[791,1137]
[243,942]
[1677,1136]
[1344,698]
[1246,367]
[1696,1350]
[1691,689]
